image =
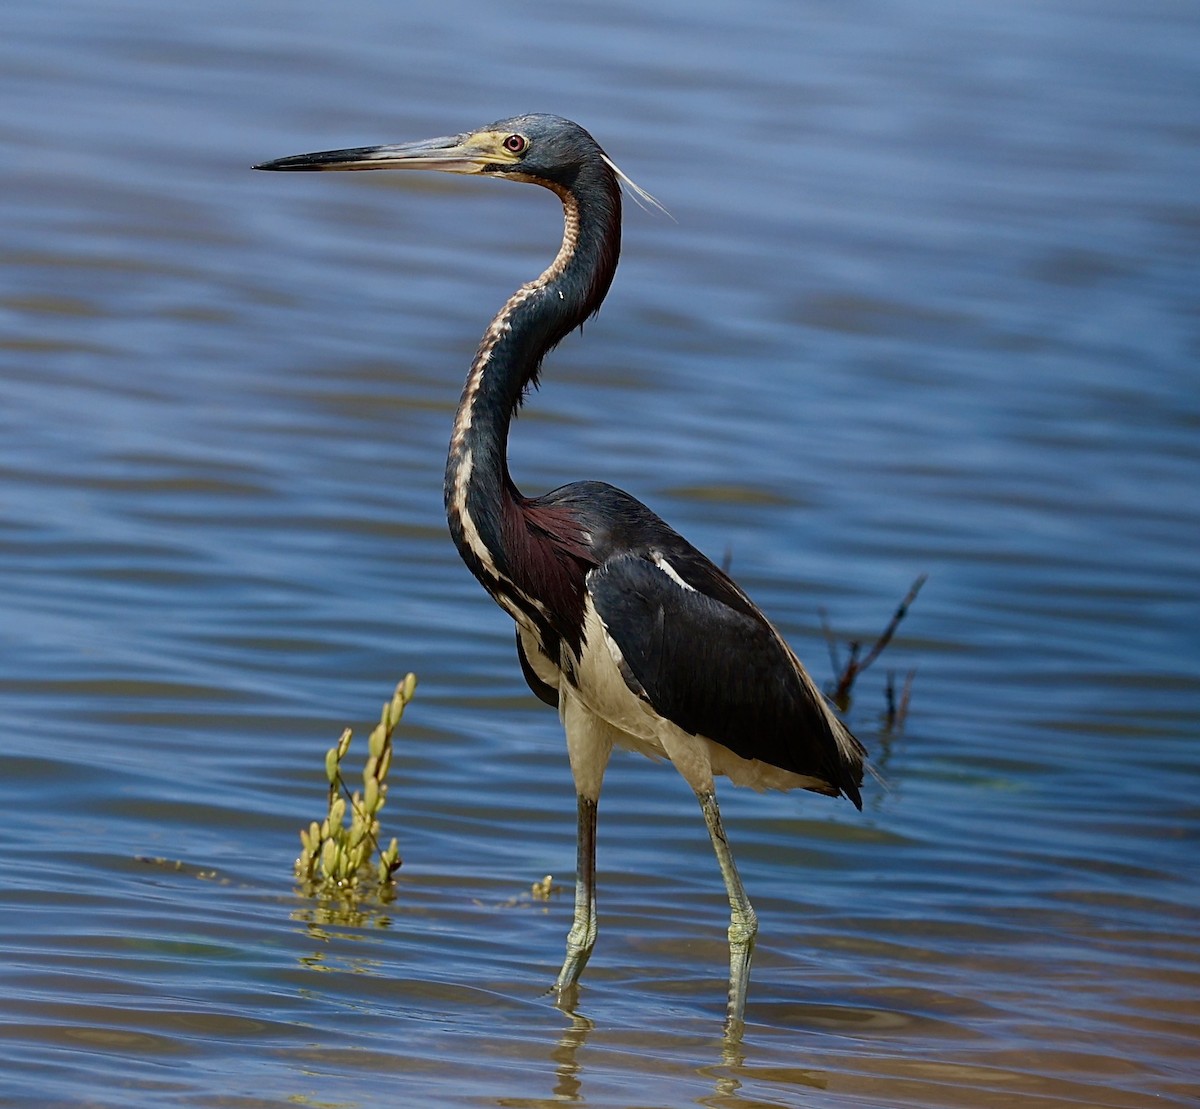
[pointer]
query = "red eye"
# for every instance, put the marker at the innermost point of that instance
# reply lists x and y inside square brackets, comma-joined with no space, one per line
[516,144]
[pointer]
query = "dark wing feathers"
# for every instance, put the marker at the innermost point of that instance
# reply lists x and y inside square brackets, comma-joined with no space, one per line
[715,668]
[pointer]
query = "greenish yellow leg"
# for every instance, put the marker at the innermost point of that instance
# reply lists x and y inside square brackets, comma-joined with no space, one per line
[743,921]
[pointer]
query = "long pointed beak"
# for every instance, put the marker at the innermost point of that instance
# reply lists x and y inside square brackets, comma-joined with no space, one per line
[451,154]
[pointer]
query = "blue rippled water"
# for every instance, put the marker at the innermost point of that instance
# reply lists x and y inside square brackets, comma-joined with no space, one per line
[928,302]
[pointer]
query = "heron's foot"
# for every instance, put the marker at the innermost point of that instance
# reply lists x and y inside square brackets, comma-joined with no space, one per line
[580,943]
[743,927]
[566,998]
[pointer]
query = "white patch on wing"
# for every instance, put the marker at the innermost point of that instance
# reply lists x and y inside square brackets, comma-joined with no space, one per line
[661,562]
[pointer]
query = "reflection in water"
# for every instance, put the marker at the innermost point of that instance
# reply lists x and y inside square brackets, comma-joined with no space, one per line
[566,1062]
[570,1063]
[566,1068]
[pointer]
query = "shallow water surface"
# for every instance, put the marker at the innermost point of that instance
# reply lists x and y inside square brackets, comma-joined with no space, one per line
[927,303]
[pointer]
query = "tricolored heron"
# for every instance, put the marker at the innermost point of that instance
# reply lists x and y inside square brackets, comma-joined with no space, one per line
[622,625]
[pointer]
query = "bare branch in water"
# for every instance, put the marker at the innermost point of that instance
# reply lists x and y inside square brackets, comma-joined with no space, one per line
[855,665]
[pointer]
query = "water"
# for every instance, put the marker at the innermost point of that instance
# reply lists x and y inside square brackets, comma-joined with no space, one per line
[928,303]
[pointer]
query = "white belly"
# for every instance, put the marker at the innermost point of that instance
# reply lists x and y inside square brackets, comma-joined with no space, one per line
[599,688]
[604,692]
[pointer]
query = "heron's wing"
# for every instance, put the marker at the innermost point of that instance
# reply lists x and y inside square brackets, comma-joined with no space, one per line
[697,650]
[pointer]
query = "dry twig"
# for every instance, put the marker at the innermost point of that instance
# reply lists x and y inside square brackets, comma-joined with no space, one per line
[856,663]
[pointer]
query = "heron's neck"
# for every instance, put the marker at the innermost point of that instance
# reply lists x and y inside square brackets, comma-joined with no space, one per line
[479,490]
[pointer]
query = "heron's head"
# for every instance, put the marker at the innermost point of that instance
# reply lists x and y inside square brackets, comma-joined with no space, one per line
[544,149]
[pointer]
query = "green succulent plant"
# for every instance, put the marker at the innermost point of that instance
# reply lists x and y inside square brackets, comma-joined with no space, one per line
[341,855]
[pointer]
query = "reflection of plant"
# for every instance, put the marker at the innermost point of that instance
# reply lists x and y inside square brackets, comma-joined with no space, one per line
[337,854]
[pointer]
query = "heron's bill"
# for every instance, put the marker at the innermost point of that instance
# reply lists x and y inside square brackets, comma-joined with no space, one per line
[470,153]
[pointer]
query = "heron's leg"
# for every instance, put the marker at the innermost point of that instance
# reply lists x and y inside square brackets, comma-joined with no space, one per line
[743,921]
[589,745]
[582,937]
